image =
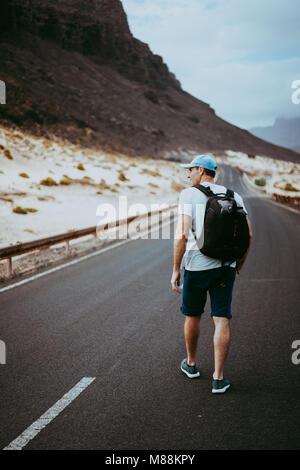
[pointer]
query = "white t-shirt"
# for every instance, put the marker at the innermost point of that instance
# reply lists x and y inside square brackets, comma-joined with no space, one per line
[193,202]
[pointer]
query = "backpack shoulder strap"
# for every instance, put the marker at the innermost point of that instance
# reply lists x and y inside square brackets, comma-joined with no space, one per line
[229,193]
[204,189]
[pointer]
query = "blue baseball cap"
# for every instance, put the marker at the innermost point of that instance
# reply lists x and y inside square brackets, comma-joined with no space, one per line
[206,161]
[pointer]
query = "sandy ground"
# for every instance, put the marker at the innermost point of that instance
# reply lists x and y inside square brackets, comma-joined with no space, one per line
[277,173]
[72,203]
[85,188]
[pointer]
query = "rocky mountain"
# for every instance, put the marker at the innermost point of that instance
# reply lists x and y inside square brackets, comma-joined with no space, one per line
[74,71]
[284,132]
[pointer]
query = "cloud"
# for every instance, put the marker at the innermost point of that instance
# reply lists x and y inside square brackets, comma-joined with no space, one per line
[240,57]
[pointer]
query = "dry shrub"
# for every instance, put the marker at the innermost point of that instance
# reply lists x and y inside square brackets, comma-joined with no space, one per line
[103,184]
[153,185]
[23,210]
[177,187]
[290,187]
[48,182]
[24,175]
[65,181]
[80,167]
[149,172]
[8,155]
[122,177]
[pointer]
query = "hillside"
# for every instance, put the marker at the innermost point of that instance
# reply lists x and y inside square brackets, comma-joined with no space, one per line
[74,71]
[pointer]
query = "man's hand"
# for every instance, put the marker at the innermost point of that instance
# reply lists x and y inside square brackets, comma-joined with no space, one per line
[175,281]
[181,236]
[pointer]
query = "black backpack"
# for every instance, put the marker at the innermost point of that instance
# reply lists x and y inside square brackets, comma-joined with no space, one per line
[226,230]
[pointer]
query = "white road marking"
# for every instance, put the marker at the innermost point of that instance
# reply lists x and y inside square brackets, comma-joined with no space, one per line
[75,261]
[49,415]
[62,266]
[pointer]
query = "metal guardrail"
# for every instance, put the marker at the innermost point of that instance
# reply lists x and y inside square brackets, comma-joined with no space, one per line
[8,252]
[287,199]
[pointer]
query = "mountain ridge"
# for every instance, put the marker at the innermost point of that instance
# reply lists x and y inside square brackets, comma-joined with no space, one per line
[74,71]
[284,132]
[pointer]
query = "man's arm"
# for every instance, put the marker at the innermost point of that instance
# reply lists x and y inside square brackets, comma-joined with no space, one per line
[241,261]
[181,237]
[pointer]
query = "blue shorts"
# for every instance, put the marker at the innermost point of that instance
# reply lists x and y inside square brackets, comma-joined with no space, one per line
[218,282]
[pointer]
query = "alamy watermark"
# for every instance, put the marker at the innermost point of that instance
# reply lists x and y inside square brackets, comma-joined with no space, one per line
[138,222]
[2,352]
[296,354]
[2,92]
[296,94]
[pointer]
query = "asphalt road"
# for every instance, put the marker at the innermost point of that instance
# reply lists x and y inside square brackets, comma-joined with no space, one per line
[114,317]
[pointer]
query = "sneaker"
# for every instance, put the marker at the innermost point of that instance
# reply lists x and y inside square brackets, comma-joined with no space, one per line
[190,371]
[220,386]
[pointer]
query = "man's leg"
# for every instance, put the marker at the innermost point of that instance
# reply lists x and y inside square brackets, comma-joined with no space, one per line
[221,344]
[191,335]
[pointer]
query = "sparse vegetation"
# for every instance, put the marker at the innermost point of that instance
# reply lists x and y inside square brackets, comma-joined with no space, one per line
[65,181]
[6,199]
[260,181]
[23,210]
[176,186]
[103,184]
[80,167]
[24,175]
[19,210]
[149,172]
[8,155]
[290,187]
[48,182]
[153,185]
[122,177]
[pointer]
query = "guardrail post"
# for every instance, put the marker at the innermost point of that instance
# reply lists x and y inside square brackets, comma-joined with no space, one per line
[67,247]
[9,265]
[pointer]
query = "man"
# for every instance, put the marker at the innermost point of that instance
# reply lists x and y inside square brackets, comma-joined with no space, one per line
[202,273]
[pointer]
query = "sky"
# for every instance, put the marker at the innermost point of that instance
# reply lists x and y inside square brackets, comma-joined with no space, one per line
[240,56]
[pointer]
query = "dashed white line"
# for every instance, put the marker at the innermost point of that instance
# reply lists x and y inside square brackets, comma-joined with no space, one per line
[49,415]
